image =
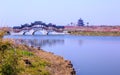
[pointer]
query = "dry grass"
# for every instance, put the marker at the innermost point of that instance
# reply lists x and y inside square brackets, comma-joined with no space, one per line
[94,33]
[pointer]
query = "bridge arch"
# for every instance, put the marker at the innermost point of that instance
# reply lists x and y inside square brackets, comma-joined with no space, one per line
[40,32]
[29,32]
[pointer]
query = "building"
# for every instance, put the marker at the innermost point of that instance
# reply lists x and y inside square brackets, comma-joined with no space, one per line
[80,22]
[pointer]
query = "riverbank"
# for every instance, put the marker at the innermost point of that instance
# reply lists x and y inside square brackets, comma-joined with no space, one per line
[59,66]
[19,59]
[94,33]
[94,30]
[35,61]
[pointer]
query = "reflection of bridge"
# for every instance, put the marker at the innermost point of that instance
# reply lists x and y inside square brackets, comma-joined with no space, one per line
[39,42]
[37,28]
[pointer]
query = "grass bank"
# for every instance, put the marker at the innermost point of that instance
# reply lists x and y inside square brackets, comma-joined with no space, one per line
[19,59]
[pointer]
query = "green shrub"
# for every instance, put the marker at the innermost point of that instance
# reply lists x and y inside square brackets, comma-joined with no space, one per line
[9,64]
[26,53]
[8,69]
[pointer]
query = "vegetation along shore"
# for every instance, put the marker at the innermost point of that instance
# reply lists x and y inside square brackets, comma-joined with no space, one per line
[94,33]
[19,59]
[94,30]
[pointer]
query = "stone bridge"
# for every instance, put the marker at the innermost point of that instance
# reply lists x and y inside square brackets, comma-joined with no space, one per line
[37,28]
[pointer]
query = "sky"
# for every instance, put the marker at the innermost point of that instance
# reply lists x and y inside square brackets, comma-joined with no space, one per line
[59,12]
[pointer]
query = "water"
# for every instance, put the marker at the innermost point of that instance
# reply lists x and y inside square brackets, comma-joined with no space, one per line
[90,55]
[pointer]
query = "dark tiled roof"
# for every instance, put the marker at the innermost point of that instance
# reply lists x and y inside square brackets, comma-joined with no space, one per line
[60,27]
[16,27]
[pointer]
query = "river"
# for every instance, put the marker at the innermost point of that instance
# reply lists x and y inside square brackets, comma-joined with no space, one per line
[90,55]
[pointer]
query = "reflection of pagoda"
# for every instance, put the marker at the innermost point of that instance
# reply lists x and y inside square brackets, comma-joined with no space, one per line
[80,22]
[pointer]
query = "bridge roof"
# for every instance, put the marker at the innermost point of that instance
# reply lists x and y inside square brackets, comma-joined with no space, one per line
[16,27]
[60,27]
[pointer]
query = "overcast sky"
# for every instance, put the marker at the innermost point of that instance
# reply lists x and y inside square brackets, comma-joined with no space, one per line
[60,12]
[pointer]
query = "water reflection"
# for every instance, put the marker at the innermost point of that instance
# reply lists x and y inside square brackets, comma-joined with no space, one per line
[80,42]
[40,42]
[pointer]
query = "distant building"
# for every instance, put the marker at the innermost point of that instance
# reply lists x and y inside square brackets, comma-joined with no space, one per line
[80,22]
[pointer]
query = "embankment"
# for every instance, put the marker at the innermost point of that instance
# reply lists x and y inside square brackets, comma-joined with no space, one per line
[94,30]
[94,33]
[59,66]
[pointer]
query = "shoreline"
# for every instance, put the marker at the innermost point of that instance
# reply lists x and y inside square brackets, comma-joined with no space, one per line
[34,61]
[94,33]
[59,66]
[94,30]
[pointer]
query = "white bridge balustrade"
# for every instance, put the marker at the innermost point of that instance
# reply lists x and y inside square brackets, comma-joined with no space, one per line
[36,31]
